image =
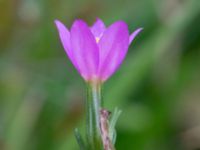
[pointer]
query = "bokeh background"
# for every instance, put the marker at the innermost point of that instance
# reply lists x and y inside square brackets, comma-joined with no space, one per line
[157,87]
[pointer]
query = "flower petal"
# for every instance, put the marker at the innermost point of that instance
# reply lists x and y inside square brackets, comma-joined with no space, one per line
[98,28]
[64,36]
[113,47]
[84,49]
[134,34]
[65,40]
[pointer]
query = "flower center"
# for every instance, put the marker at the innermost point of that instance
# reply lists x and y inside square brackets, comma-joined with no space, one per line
[97,39]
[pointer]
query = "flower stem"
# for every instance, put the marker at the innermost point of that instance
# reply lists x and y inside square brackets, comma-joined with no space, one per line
[93,106]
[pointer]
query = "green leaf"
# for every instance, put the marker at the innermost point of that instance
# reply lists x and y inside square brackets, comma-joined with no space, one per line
[112,124]
[80,140]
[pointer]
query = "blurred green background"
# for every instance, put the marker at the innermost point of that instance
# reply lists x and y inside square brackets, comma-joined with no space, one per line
[157,87]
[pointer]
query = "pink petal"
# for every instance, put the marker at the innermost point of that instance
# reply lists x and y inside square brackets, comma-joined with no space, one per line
[113,47]
[64,35]
[98,28]
[134,34]
[84,49]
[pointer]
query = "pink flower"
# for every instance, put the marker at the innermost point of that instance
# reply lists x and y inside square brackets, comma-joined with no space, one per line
[97,51]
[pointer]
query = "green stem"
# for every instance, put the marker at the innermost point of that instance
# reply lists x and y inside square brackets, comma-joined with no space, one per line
[93,105]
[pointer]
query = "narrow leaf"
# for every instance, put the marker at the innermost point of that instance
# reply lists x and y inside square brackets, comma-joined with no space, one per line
[80,140]
[112,124]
